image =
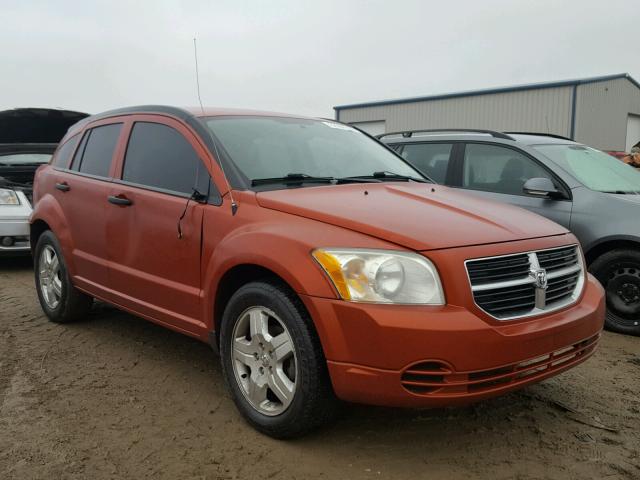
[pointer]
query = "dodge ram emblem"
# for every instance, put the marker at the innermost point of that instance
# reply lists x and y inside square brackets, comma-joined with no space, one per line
[540,276]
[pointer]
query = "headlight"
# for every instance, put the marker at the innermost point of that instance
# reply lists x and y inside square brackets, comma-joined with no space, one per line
[8,197]
[381,276]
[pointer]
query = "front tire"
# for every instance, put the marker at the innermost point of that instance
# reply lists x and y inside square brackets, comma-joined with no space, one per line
[60,300]
[273,362]
[619,273]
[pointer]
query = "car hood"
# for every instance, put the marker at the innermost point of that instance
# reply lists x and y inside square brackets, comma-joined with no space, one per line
[415,215]
[36,125]
[627,198]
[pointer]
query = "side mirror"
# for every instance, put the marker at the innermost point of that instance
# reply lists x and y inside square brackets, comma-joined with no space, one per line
[541,187]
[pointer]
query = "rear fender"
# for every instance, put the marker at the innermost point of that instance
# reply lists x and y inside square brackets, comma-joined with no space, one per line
[49,211]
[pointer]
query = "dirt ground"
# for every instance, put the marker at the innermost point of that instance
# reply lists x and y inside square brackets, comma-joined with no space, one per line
[118,397]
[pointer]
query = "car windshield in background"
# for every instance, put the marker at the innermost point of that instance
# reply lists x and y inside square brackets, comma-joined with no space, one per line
[24,158]
[595,169]
[305,151]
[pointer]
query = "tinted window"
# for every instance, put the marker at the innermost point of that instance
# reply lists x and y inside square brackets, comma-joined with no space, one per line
[78,156]
[159,156]
[432,159]
[498,169]
[63,155]
[98,150]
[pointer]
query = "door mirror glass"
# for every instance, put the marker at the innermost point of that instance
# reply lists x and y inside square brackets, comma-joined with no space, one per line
[541,187]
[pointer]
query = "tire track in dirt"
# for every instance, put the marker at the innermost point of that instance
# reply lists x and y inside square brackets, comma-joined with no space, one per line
[118,397]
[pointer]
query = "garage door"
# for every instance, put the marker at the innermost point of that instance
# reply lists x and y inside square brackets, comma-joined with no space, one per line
[633,131]
[372,128]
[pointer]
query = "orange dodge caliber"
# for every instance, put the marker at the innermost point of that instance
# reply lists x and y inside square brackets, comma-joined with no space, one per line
[318,263]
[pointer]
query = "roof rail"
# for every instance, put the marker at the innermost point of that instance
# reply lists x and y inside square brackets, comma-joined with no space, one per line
[552,135]
[409,133]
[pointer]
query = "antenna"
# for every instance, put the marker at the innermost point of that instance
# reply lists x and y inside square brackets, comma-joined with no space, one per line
[234,205]
[195,54]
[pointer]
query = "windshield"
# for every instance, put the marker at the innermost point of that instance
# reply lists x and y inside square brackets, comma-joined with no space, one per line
[274,147]
[595,169]
[24,158]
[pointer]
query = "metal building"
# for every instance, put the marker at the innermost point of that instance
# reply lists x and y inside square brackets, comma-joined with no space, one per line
[603,112]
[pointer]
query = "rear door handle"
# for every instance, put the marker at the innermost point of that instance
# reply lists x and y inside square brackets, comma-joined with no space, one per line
[63,186]
[121,201]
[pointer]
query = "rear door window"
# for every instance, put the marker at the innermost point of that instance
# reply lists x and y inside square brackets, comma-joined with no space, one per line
[432,159]
[492,168]
[95,153]
[63,155]
[160,157]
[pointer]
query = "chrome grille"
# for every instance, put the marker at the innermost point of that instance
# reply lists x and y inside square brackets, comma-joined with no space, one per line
[498,269]
[558,259]
[526,284]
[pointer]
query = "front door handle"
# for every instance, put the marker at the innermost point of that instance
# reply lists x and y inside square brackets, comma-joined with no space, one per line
[63,186]
[121,201]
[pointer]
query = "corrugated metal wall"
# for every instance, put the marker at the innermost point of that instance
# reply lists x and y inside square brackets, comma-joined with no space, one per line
[601,113]
[540,110]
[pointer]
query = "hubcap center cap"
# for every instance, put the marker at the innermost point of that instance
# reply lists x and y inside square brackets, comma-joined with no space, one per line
[265,360]
[629,292]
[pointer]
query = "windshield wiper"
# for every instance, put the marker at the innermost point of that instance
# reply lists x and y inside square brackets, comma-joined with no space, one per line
[300,178]
[622,192]
[386,176]
[292,179]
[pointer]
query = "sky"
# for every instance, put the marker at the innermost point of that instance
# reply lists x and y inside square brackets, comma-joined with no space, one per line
[301,57]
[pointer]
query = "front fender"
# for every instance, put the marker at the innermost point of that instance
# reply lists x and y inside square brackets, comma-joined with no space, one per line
[274,240]
[287,257]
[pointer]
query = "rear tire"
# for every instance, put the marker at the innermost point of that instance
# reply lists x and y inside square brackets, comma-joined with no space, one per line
[273,362]
[59,299]
[619,273]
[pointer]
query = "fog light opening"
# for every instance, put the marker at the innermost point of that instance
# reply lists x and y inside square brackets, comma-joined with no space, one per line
[7,241]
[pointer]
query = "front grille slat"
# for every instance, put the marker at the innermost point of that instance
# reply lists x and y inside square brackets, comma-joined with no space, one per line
[509,299]
[515,307]
[558,259]
[505,287]
[499,269]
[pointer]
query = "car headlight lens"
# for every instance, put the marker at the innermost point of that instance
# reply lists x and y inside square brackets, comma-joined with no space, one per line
[381,276]
[8,197]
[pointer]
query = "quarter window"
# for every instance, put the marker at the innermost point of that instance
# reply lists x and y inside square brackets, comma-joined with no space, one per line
[63,155]
[159,156]
[77,158]
[498,169]
[95,152]
[432,159]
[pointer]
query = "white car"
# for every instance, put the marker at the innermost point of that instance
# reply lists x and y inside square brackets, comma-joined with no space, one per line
[28,138]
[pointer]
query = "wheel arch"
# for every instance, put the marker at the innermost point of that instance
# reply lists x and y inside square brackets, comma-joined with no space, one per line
[608,244]
[36,229]
[48,215]
[234,278]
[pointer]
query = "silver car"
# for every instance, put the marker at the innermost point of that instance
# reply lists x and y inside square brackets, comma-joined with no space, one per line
[591,193]
[28,138]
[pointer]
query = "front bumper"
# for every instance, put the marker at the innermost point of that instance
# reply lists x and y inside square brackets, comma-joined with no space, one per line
[437,356]
[14,225]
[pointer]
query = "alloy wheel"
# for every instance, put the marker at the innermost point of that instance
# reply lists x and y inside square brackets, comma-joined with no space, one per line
[49,277]
[264,360]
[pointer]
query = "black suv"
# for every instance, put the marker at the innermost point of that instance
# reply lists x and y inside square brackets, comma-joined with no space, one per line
[593,194]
